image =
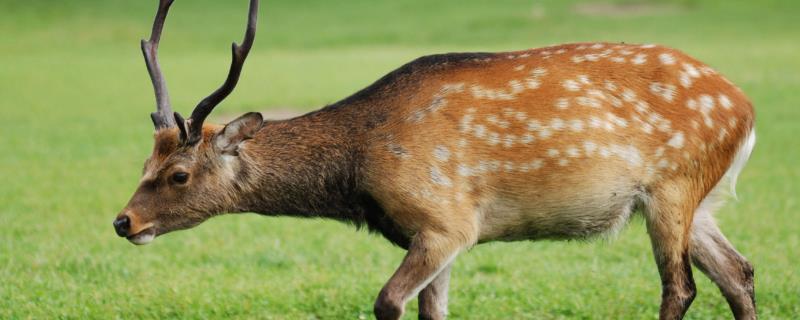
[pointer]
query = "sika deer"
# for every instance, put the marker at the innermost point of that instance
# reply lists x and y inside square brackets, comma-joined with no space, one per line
[457,149]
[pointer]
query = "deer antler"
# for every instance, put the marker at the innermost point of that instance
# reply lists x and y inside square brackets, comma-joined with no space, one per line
[163,117]
[239,54]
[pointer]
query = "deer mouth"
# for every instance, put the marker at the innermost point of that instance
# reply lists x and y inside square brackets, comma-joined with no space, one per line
[143,237]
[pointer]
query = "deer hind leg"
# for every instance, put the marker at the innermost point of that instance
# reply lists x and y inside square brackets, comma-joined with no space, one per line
[668,214]
[433,299]
[429,254]
[715,256]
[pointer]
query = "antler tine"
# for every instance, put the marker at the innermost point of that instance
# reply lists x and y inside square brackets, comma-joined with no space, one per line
[238,56]
[163,117]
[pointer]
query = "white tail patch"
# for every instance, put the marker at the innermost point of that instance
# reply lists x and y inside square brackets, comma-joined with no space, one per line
[740,160]
[726,187]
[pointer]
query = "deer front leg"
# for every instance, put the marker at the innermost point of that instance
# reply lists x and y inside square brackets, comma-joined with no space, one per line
[429,254]
[433,299]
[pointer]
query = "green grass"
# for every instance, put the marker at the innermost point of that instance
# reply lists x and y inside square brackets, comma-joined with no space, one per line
[74,104]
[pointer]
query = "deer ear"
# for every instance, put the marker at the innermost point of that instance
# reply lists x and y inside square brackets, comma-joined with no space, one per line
[242,128]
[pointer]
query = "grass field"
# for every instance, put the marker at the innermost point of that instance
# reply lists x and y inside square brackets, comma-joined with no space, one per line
[74,104]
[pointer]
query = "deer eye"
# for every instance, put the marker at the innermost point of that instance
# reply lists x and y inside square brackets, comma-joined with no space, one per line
[180,177]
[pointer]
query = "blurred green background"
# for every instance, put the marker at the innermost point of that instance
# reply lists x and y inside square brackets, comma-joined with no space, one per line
[74,104]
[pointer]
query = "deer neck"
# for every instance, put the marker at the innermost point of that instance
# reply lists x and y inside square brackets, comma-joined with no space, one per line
[307,167]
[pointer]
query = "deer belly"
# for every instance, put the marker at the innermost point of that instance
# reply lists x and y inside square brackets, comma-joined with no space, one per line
[558,215]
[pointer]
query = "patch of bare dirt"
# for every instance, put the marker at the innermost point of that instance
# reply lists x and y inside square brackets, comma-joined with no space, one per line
[626,9]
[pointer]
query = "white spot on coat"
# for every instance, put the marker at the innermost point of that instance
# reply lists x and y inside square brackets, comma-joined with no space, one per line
[706,105]
[628,95]
[588,102]
[516,86]
[620,122]
[532,83]
[608,126]
[589,147]
[536,164]
[480,131]
[441,153]
[628,153]
[539,71]
[596,94]
[706,70]
[688,75]
[545,133]
[666,91]
[666,59]
[439,178]
[640,58]
[685,80]
[508,140]
[642,106]
[571,85]
[534,125]
[676,141]
[725,102]
[706,102]
[605,152]
[466,122]
[732,122]
[610,86]
[562,103]
[526,138]
[615,102]
[691,70]
[557,124]
[691,104]
[494,165]
[494,138]
[463,170]
[573,152]
[576,125]
[595,122]
[647,128]
[722,134]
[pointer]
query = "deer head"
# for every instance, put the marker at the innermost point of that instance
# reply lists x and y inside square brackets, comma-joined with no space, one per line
[191,174]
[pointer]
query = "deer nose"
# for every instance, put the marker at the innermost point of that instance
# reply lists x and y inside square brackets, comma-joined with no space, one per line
[122,225]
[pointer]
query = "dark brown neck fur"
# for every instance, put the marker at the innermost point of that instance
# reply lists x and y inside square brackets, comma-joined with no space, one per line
[306,167]
[310,166]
